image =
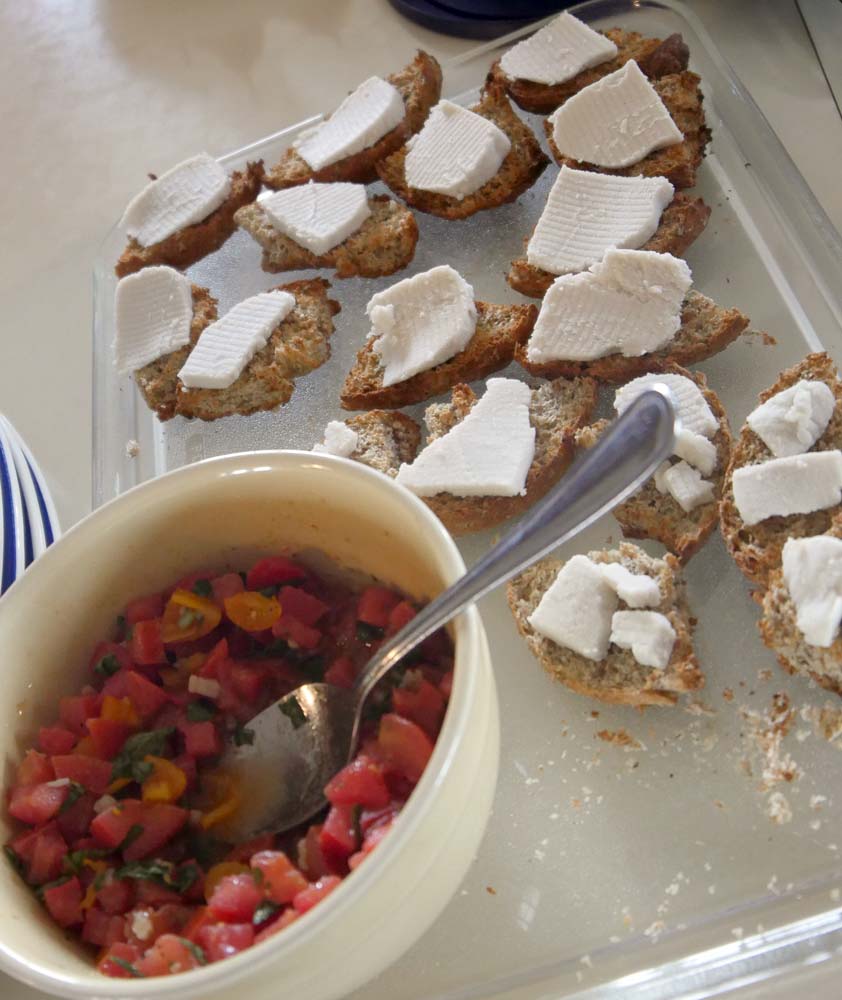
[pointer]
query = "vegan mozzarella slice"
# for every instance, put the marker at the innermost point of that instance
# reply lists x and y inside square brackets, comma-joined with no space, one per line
[339,439]
[184,195]
[455,152]
[153,312]
[636,589]
[226,346]
[587,213]
[791,421]
[557,52]
[797,484]
[421,321]
[812,571]
[629,303]
[317,216]
[614,122]
[364,117]
[488,453]
[648,634]
[693,410]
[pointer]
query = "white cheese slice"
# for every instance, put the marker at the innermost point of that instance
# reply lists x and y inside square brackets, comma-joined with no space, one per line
[614,122]
[317,216]
[339,439]
[456,152]
[629,303]
[184,195]
[421,321]
[226,346]
[648,634]
[636,589]
[488,453]
[791,421]
[575,610]
[361,120]
[692,407]
[153,311]
[797,484]
[659,477]
[686,486]
[812,570]
[696,451]
[588,213]
[557,52]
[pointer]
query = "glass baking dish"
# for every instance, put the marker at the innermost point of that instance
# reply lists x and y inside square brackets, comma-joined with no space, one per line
[630,854]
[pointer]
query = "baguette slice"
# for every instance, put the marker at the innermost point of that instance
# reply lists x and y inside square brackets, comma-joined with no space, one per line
[679,162]
[524,163]
[384,243]
[296,346]
[681,223]
[757,549]
[656,58]
[385,439]
[192,243]
[706,329]
[618,678]
[420,86]
[500,329]
[652,514]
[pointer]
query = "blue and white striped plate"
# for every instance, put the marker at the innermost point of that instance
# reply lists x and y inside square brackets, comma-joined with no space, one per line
[15,528]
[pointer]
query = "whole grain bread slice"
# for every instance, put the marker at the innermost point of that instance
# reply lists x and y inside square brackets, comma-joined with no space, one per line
[499,331]
[756,549]
[524,163]
[655,57]
[679,162]
[681,223]
[419,84]
[648,513]
[192,243]
[295,347]
[618,678]
[385,439]
[384,243]
[706,329]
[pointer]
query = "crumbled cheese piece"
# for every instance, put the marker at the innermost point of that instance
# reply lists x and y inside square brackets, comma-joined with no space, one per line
[104,803]
[696,451]
[685,485]
[648,634]
[798,484]
[153,310]
[140,925]
[557,52]
[614,122]
[690,404]
[207,687]
[339,439]
[635,589]
[791,421]
[317,216]
[812,571]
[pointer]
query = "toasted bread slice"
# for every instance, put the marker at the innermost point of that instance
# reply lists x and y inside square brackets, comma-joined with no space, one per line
[681,223]
[192,243]
[757,549]
[296,346]
[384,243]
[679,162]
[158,381]
[618,678]
[524,163]
[706,329]
[652,514]
[500,329]
[655,57]
[420,86]
[385,439]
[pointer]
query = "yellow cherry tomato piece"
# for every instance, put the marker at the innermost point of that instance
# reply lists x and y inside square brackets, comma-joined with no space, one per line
[188,616]
[85,747]
[251,611]
[119,710]
[219,871]
[166,783]
[178,675]
[117,785]
[224,797]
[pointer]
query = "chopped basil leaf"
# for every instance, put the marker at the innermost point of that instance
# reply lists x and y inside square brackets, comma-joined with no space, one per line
[171,655]
[107,665]
[15,860]
[243,736]
[201,710]
[356,814]
[99,879]
[368,633]
[165,873]
[135,830]
[185,876]
[74,861]
[132,971]
[269,591]
[203,588]
[277,647]
[195,950]
[121,622]
[266,910]
[190,617]
[244,577]
[129,762]
[293,711]
[312,666]
[75,792]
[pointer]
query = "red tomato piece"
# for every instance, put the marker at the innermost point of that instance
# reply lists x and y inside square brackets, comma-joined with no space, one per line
[144,608]
[226,586]
[235,898]
[35,804]
[64,902]
[149,893]
[405,745]
[200,918]
[24,844]
[284,920]
[75,710]
[73,820]
[244,852]
[147,698]
[222,940]
[359,783]
[160,821]
[218,655]
[184,762]
[341,672]
[108,736]
[272,571]
[315,893]
[400,615]
[127,954]
[290,628]
[101,929]
[248,681]
[56,739]
[371,818]
[116,895]
[147,644]
[281,879]
[422,703]
[201,739]
[34,769]
[168,954]
[310,858]
[93,773]
[48,853]
[120,655]
[301,605]
[338,839]
[375,604]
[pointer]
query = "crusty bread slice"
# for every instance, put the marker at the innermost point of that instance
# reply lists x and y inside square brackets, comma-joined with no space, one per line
[500,329]
[192,243]
[385,439]
[524,163]
[158,381]
[652,514]
[679,162]
[296,346]
[655,57]
[420,86]
[781,633]
[384,243]
[706,329]
[681,223]
[757,549]
[619,678]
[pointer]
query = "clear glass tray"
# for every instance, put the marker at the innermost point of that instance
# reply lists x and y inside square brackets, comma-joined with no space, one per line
[618,871]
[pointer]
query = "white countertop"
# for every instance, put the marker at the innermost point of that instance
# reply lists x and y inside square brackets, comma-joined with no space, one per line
[98,93]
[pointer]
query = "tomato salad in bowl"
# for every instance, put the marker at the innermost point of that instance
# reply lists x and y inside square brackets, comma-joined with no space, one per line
[120,805]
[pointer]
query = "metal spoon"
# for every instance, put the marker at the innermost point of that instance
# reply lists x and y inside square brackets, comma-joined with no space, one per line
[301,741]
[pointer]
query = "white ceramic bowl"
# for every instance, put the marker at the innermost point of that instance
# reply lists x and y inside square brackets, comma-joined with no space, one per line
[229,511]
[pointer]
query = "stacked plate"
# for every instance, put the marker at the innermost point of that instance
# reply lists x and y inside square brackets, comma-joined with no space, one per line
[28,521]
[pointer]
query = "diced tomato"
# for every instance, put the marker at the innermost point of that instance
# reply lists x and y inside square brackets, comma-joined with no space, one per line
[310,858]
[102,929]
[338,839]
[290,628]
[64,902]
[404,745]
[24,844]
[446,685]
[371,818]
[184,762]
[91,772]
[116,895]
[301,605]
[226,586]
[272,571]
[248,680]
[108,736]
[147,643]
[73,820]
[144,608]
[34,769]
[56,739]
[235,898]
[219,654]
[199,919]
[359,783]
[284,920]
[189,581]
[160,822]
[168,954]
[119,655]
[244,852]
[201,739]
[281,879]
[376,604]
[400,615]
[149,893]
[147,698]
[127,955]
[48,853]
[222,940]
[341,672]
[35,804]
[370,841]
[315,893]
[422,703]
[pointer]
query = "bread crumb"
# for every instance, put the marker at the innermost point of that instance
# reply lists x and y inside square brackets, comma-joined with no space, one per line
[619,737]
[763,738]
[586,960]
[826,722]
[491,890]
[728,694]
[778,809]
[655,930]
[132,448]
[817,801]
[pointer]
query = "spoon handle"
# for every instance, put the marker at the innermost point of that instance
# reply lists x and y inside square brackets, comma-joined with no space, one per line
[624,458]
